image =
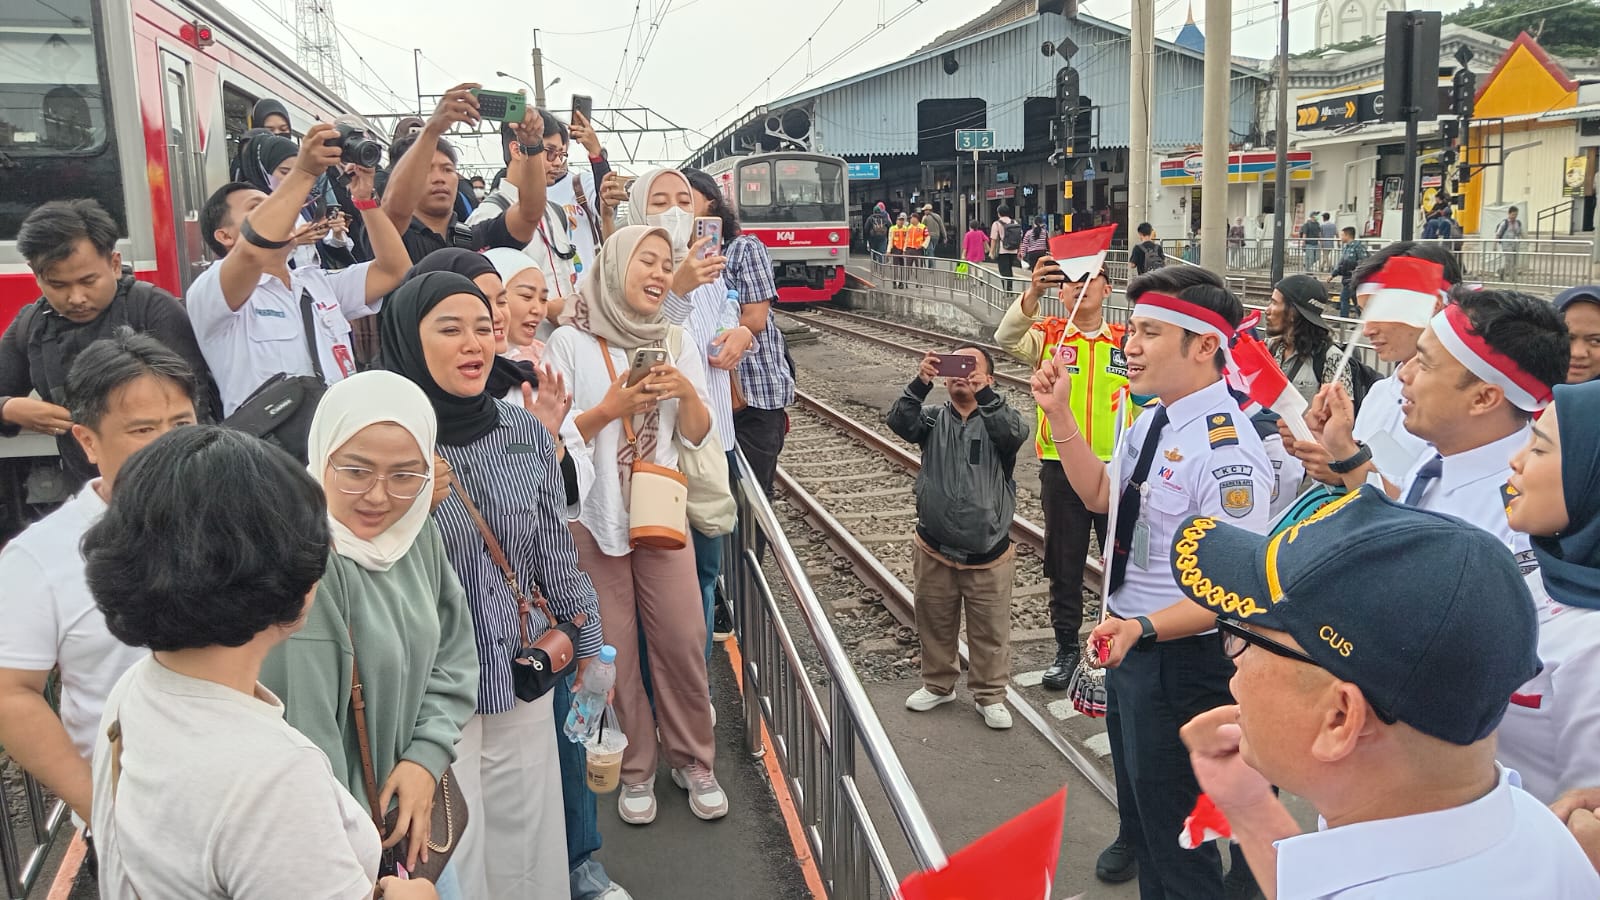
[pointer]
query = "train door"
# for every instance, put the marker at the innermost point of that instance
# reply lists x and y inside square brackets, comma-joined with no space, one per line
[183,164]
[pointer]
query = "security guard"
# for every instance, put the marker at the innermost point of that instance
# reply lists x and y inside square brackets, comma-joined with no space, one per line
[1379,707]
[1192,453]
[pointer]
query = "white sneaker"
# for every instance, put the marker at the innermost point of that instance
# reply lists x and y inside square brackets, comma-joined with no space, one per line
[706,798]
[995,715]
[713,715]
[636,803]
[922,700]
[615,892]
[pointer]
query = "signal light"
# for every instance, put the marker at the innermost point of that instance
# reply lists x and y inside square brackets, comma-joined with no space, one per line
[196,34]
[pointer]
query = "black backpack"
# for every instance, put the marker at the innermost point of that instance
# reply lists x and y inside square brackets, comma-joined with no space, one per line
[1011,237]
[1362,377]
[1154,256]
[877,226]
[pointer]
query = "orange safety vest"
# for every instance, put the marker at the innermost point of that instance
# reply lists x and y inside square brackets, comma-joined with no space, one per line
[898,235]
[918,237]
[1098,371]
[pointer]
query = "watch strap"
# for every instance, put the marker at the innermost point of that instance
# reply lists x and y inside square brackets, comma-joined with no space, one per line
[1147,630]
[1353,461]
[370,203]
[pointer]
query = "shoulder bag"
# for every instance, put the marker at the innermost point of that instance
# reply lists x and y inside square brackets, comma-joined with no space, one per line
[280,410]
[537,664]
[658,496]
[711,506]
[449,818]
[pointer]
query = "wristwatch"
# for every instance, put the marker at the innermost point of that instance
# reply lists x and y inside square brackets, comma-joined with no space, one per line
[1353,461]
[1147,629]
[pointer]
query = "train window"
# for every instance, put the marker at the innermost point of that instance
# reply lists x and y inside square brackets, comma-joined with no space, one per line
[56,140]
[755,185]
[236,105]
[801,190]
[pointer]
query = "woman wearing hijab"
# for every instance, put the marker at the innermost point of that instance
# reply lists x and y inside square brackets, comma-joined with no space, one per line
[270,115]
[621,306]
[265,160]
[389,604]
[438,332]
[1551,732]
[528,318]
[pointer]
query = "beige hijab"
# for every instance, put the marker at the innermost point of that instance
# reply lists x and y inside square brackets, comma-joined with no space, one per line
[639,202]
[600,309]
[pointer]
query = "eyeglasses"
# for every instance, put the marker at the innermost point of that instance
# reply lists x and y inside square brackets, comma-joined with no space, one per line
[555,155]
[1236,637]
[358,480]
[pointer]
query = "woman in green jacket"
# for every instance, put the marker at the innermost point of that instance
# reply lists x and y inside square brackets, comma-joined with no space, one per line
[390,587]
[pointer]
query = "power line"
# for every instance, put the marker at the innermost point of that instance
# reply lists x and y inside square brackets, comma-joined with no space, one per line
[644,51]
[623,63]
[740,102]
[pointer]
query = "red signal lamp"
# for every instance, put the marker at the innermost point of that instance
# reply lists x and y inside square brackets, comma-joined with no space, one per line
[196,34]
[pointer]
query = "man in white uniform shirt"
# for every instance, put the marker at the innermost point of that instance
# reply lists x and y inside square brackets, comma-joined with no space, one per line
[1379,707]
[124,391]
[1193,452]
[250,310]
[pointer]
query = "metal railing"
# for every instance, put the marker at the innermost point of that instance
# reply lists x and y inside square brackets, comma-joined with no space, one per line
[42,818]
[816,729]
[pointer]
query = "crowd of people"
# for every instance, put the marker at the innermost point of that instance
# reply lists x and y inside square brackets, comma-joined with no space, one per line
[372,648]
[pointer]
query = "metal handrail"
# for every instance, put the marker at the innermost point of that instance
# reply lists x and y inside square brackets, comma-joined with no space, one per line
[44,819]
[815,742]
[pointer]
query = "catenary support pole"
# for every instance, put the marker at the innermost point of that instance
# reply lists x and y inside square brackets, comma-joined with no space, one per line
[1280,177]
[1141,63]
[1215,136]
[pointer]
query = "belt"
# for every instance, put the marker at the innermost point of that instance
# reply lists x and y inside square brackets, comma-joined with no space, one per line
[1192,642]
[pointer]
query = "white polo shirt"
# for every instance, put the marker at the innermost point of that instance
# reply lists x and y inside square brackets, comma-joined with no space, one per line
[1505,844]
[1551,732]
[1380,413]
[1470,487]
[51,620]
[1209,462]
[266,335]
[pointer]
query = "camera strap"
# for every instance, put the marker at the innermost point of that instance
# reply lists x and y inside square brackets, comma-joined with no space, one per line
[588,211]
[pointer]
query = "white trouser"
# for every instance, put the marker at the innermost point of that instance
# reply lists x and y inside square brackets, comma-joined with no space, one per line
[515,845]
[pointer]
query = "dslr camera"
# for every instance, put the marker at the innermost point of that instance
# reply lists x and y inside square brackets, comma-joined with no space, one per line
[356,146]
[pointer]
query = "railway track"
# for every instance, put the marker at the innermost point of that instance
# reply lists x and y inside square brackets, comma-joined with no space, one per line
[854,485]
[892,336]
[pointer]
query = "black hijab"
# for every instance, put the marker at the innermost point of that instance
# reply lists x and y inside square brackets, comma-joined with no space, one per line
[267,107]
[1570,561]
[462,420]
[261,155]
[504,375]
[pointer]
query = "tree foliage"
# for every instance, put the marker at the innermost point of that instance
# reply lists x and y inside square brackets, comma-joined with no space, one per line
[1562,27]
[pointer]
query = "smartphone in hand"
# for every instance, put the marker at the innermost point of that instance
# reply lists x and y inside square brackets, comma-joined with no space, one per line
[583,105]
[645,359]
[709,226]
[502,106]
[954,365]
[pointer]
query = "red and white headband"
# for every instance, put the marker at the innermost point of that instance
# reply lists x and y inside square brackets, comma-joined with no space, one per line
[1188,316]
[1454,331]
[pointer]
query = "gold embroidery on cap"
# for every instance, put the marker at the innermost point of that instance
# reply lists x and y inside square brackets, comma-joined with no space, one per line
[1201,587]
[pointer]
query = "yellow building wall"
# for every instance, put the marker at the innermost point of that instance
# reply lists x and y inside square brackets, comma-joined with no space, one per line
[1533,177]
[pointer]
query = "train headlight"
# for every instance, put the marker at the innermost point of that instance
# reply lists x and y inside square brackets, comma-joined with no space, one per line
[833,237]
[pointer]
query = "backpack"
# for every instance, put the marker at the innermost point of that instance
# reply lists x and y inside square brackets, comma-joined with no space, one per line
[1362,377]
[877,227]
[1154,256]
[1011,237]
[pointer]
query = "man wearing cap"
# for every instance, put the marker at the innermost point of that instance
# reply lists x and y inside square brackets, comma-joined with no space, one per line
[1580,312]
[1090,350]
[1192,452]
[1484,365]
[1378,707]
[1298,336]
[899,240]
[936,229]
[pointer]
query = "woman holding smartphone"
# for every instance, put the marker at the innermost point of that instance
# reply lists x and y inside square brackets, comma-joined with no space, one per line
[617,314]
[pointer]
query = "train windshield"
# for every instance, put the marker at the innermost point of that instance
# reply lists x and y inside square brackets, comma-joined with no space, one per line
[791,190]
[56,140]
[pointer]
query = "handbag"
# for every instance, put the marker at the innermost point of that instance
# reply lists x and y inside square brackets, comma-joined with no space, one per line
[280,409]
[537,664]
[712,510]
[658,496]
[449,817]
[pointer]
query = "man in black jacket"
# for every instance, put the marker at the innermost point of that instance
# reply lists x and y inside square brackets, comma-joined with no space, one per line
[71,246]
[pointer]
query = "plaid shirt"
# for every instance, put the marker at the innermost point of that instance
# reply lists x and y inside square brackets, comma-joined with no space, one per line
[764,374]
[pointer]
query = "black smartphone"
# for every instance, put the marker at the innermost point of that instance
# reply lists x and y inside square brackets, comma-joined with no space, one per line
[582,104]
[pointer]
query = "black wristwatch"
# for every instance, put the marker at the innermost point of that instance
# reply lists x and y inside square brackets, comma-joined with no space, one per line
[1353,461]
[1147,631]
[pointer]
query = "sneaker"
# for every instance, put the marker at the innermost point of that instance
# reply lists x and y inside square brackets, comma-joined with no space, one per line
[922,700]
[1116,863]
[615,892]
[706,799]
[1059,675]
[713,715]
[722,624]
[995,715]
[636,804]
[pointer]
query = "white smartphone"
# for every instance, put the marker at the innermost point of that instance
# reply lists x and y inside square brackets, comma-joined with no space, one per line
[709,226]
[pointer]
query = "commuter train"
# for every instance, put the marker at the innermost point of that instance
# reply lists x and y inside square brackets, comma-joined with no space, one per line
[796,204]
[136,104]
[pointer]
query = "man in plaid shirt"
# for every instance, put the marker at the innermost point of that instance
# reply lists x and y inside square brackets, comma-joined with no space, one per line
[766,376]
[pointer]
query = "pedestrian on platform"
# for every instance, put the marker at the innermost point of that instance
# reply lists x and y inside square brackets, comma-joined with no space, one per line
[917,242]
[1192,452]
[1005,243]
[1330,238]
[1147,255]
[964,557]
[937,230]
[1509,235]
[1236,244]
[1378,707]
[1310,241]
[1580,312]
[1035,242]
[1351,253]
[875,230]
[899,244]
[209,555]
[974,244]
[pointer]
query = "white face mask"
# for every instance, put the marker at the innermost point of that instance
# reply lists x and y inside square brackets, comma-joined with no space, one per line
[480,193]
[679,224]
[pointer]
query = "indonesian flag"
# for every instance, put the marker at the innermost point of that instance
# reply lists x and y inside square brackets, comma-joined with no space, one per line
[1406,290]
[1257,374]
[1080,254]
[1206,823]
[1016,861]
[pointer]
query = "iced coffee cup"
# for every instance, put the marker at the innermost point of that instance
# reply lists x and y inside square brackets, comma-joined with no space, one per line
[605,759]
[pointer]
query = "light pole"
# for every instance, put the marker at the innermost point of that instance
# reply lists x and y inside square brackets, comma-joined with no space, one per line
[525,81]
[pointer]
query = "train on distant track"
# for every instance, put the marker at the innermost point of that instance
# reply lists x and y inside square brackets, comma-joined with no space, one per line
[797,205]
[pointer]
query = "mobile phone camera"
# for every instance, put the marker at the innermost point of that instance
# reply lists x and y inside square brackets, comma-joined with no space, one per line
[355,146]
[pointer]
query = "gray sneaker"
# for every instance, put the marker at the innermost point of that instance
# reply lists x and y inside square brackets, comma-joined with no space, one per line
[706,798]
[636,803]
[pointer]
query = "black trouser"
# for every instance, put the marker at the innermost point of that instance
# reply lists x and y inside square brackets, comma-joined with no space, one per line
[761,433]
[1148,698]
[1008,264]
[1067,523]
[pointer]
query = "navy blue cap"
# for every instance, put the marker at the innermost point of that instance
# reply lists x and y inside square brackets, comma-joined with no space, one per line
[1588,292]
[1428,615]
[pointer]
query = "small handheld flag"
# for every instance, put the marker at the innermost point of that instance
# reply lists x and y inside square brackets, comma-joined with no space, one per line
[1267,385]
[1405,290]
[1206,823]
[1016,861]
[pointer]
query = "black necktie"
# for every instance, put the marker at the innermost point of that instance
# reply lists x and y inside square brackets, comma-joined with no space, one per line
[1128,506]
[1430,470]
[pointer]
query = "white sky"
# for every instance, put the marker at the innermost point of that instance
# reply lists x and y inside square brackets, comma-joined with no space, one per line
[707,63]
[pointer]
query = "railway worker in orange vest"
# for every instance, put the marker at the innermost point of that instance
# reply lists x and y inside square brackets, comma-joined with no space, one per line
[916,241]
[899,238]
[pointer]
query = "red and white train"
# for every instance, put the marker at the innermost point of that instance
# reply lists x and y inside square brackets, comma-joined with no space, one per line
[797,204]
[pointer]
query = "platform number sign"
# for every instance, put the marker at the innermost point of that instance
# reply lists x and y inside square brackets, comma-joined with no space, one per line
[974,140]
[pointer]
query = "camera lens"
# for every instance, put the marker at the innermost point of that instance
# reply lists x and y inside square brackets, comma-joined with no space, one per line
[355,147]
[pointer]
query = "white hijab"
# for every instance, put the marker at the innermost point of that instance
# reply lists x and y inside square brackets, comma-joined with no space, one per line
[371,398]
[510,263]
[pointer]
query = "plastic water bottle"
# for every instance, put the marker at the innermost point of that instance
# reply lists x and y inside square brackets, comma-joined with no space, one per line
[590,701]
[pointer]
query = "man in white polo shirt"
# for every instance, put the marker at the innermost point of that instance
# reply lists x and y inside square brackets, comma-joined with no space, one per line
[124,391]
[250,310]
[1379,707]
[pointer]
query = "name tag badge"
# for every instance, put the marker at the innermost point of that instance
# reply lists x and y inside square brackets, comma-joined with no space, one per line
[347,363]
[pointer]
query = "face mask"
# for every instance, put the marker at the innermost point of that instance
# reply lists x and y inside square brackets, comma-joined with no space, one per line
[679,224]
[273,181]
[480,193]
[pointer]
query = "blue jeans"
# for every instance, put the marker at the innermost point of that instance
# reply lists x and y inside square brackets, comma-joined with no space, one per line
[589,878]
[707,565]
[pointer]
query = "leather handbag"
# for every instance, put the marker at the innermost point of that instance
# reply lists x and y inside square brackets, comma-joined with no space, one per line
[449,817]
[538,664]
[658,496]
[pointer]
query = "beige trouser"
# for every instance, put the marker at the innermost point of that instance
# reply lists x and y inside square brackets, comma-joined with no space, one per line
[658,588]
[942,591]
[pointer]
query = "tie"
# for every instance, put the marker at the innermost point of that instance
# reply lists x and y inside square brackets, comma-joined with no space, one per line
[1425,475]
[1128,506]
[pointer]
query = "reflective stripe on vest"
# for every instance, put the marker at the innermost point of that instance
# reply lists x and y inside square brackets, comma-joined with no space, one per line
[1098,371]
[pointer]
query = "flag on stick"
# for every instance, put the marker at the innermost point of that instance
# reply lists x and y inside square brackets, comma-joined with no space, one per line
[1016,861]
[1266,384]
